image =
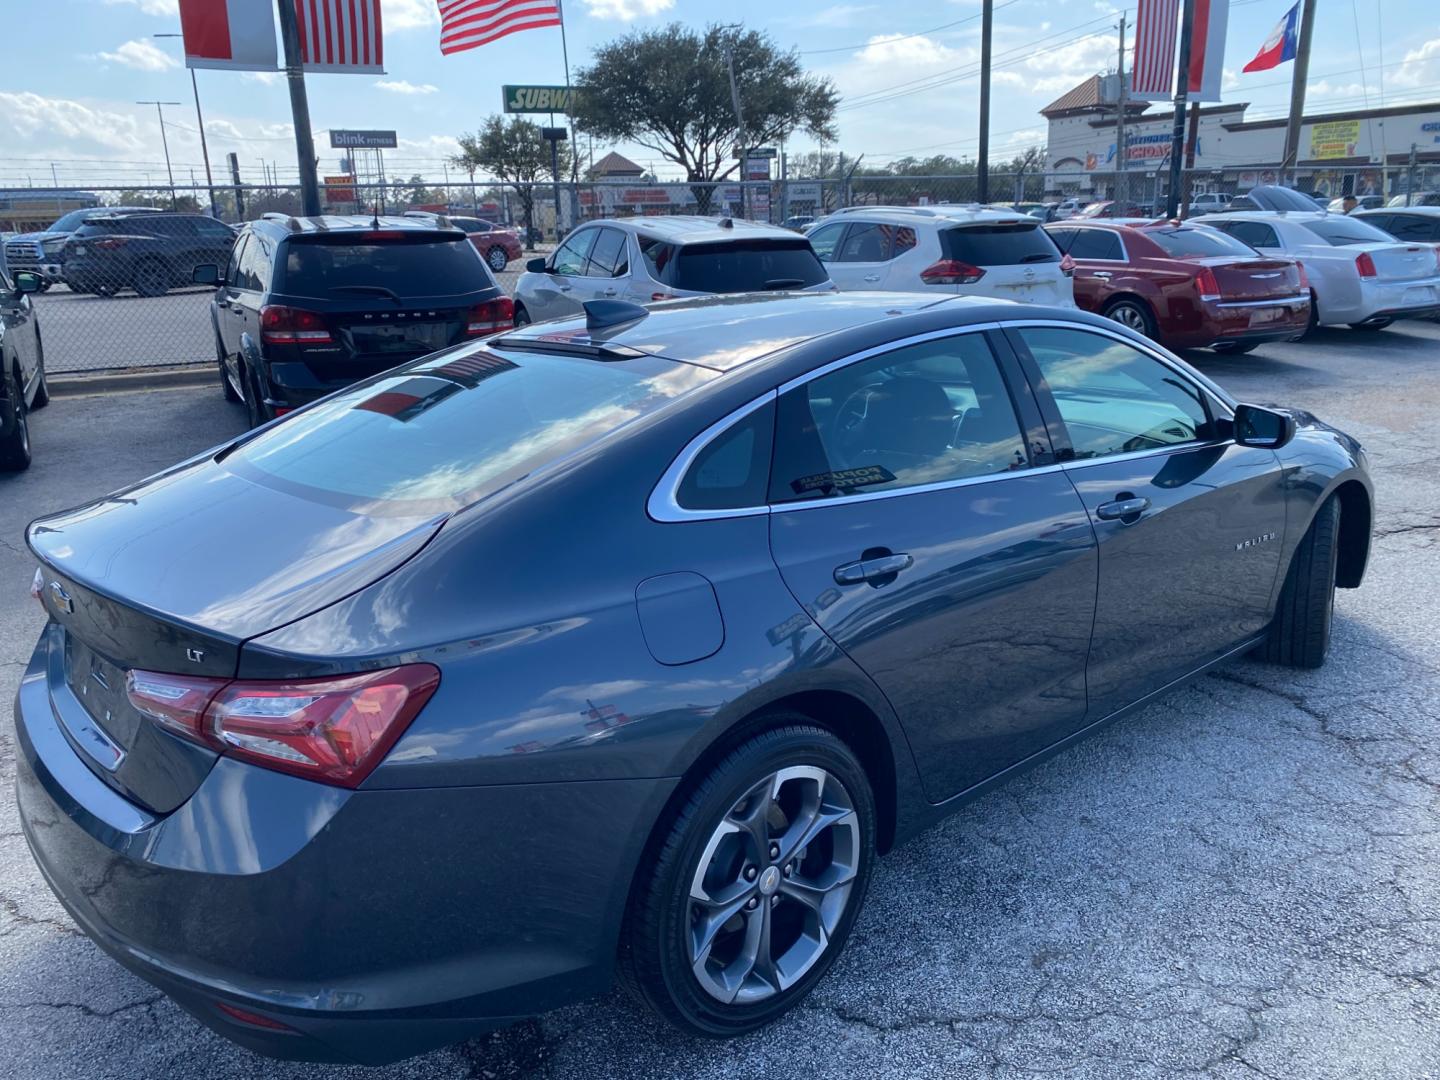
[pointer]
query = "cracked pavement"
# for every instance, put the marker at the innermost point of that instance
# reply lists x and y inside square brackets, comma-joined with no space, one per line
[1240,881]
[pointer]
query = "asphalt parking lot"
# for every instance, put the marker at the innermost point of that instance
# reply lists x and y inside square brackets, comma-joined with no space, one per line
[1240,881]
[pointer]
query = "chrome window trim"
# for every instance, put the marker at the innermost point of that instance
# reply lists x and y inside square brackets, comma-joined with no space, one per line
[663,505]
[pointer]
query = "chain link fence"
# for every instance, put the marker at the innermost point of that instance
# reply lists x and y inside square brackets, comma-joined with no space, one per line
[122,297]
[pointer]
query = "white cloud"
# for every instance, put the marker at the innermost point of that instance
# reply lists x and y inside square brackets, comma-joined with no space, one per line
[908,50]
[400,86]
[625,10]
[151,7]
[1421,67]
[265,78]
[408,14]
[30,117]
[1063,68]
[142,56]
[837,15]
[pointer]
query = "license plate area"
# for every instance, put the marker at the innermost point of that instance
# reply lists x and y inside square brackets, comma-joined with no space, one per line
[1266,316]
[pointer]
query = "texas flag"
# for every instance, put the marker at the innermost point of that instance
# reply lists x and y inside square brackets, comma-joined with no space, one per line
[1280,45]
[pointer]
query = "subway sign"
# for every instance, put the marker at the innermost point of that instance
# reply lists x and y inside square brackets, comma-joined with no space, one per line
[536,99]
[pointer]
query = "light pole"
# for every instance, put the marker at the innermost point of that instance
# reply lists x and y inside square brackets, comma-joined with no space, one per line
[200,123]
[166,144]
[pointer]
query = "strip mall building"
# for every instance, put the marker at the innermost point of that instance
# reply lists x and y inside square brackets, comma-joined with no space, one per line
[1360,150]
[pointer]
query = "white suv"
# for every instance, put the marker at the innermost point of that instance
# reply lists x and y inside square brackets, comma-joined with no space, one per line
[660,258]
[947,249]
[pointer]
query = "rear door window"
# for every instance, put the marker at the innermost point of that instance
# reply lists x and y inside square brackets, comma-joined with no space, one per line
[401,264]
[1096,244]
[1411,227]
[255,264]
[747,266]
[733,470]
[1004,244]
[232,271]
[923,414]
[866,242]
[1255,233]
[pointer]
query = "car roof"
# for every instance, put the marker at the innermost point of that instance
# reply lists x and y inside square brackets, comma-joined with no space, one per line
[327,223]
[724,332]
[940,213]
[1272,215]
[694,229]
[1376,211]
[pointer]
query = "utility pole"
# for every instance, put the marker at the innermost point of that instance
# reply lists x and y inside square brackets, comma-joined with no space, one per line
[164,142]
[744,147]
[199,123]
[982,168]
[1191,139]
[300,110]
[1297,89]
[1182,92]
[1122,195]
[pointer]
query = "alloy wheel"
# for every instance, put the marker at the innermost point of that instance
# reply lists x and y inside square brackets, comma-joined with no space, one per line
[497,258]
[772,885]
[1129,315]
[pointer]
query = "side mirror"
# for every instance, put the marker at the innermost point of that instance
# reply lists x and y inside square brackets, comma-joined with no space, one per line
[536,266]
[1263,428]
[27,282]
[206,274]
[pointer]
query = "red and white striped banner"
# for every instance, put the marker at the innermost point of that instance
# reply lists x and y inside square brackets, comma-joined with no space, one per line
[340,35]
[466,24]
[1207,49]
[233,35]
[1152,74]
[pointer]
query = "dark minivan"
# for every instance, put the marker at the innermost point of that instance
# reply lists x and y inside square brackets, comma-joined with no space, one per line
[310,305]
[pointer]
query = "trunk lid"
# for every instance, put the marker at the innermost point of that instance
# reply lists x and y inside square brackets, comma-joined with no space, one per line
[174,575]
[1254,278]
[1400,262]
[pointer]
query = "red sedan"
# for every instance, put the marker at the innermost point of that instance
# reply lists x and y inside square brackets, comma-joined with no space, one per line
[497,244]
[1186,286]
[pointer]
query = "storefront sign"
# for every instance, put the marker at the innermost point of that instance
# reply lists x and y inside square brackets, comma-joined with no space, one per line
[1334,139]
[536,99]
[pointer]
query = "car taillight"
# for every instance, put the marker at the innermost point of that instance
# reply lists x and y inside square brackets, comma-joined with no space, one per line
[281,325]
[334,730]
[951,272]
[1364,264]
[1206,283]
[1304,277]
[110,242]
[661,296]
[490,316]
[1067,266]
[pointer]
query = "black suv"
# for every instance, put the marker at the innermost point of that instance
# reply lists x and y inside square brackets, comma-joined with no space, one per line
[150,253]
[310,305]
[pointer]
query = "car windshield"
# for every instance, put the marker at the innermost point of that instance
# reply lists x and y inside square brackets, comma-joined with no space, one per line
[1010,243]
[70,222]
[1181,243]
[443,432]
[744,266]
[1343,231]
[399,262]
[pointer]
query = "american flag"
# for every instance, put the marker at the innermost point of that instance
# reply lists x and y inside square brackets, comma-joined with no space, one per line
[340,35]
[1152,75]
[466,24]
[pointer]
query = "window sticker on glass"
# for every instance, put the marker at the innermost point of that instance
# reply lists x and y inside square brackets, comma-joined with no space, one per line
[843,479]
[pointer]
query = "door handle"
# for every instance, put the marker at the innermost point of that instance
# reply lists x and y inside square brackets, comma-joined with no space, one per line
[607,292]
[872,277]
[1102,273]
[1127,510]
[883,566]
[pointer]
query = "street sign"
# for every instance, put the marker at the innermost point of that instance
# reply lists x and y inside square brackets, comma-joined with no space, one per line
[340,189]
[535,99]
[758,152]
[345,139]
[553,134]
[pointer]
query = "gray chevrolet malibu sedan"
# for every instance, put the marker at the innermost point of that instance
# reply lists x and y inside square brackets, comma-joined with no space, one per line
[620,647]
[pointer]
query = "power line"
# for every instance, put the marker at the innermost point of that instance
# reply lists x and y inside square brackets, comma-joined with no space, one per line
[902,37]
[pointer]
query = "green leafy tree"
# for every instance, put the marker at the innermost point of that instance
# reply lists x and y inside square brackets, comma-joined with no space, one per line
[513,152]
[669,90]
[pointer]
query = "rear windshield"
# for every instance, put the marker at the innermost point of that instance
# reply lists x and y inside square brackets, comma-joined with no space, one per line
[1342,231]
[1008,244]
[1182,242]
[440,433]
[741,266]
[423,264]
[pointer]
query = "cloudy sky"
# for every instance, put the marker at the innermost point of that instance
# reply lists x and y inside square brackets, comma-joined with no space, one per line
[906,73]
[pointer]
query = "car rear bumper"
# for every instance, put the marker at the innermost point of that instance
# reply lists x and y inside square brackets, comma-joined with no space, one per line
[1397,300]
[367,925]
[1245,321]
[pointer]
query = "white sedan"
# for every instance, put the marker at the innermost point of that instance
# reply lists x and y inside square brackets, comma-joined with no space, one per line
[1358,275]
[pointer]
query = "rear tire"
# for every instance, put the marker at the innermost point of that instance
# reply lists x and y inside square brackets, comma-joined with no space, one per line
[722,967]
[15,446]
[521,317]
[1300,635]
[1236,348]
[151,278]
[1134,314]
[254,405]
